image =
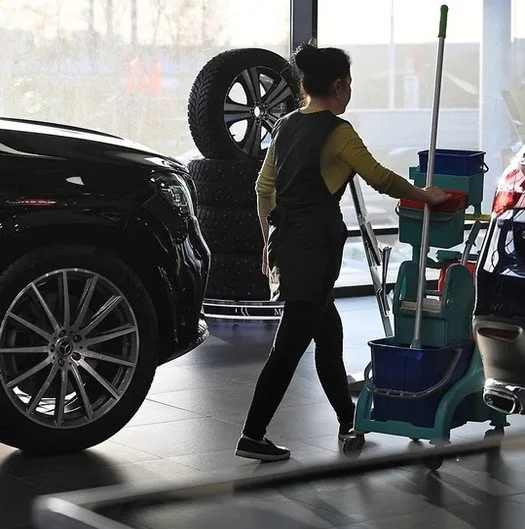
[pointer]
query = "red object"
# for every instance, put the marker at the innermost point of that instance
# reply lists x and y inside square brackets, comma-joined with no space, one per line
[471,267]
[457,201]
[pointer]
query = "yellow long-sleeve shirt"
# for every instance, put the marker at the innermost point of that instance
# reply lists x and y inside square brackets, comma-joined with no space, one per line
[343,156]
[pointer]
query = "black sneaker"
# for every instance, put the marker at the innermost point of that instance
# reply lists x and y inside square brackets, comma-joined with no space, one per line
[263,450]
[346,430]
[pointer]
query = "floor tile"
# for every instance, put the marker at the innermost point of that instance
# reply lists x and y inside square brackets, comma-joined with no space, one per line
[101,457]
[236,419]
[188,428]
[517,498]
[427,518]
[16,497]
[272,509]
[233,398]
[301,422]
[209,401]
[172,377]
[497,512]
[153,412]
[158,471]
[486,476]
[375,444]
[377,495]
[225,460]
[117,453]
[179,438]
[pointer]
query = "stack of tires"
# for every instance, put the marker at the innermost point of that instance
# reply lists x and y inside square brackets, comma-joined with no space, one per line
[234,103]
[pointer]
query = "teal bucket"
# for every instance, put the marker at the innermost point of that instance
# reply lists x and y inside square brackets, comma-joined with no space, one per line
[446,230]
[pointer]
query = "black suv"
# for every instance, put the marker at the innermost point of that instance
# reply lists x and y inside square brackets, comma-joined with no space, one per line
[499,316]
[103,270]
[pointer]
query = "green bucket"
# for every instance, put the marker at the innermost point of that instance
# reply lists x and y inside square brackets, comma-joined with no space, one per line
[446,230]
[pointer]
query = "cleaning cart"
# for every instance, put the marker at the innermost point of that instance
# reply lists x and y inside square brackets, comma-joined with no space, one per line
[428,378]
[422,393]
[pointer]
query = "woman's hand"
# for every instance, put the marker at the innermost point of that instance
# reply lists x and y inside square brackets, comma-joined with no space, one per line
[264,267]
[435,196]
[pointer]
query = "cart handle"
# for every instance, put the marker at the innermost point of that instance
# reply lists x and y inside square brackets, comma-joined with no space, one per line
[401,394]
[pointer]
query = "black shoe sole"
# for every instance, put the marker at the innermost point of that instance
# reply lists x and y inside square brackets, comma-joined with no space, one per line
[262,457]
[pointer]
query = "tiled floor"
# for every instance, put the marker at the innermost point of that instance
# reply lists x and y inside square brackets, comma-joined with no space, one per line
[189,425]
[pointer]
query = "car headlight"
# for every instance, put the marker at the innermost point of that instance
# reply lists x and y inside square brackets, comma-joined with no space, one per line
[176,192]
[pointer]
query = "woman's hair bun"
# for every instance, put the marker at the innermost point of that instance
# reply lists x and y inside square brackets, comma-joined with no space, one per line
[308,59]
[320,67]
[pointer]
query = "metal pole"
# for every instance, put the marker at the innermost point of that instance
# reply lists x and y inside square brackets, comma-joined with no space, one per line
[495,78]
[303,21]
[421,286]
[315,19]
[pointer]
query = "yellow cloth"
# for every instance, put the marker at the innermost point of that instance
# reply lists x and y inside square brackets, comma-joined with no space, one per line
[343,156]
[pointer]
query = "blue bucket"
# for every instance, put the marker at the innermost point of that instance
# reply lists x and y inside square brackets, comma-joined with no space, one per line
[454,162]
[401,368]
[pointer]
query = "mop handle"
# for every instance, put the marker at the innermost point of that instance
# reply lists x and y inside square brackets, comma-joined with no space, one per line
[421,286]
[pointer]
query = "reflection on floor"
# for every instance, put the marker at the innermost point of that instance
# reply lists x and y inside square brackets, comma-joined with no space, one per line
[189,425]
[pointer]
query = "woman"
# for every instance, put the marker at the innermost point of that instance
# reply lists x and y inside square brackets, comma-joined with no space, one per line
[312,156]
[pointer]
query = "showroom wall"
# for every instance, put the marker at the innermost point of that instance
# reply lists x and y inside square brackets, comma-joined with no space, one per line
[127,66]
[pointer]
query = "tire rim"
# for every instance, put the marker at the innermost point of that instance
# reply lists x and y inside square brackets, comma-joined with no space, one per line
[255,100]
[69,347]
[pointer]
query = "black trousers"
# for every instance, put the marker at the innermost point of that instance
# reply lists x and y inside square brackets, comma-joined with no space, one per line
[301,322]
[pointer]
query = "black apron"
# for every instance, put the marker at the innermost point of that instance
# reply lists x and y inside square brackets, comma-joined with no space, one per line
[307,232]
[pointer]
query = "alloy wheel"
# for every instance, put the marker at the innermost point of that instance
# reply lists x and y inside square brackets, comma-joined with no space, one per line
[256,99]
[69,347]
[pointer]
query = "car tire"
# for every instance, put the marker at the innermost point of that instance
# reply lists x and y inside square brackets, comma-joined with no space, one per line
[109,363]
[237,278]
[225,183]
[249,87]
[230,231]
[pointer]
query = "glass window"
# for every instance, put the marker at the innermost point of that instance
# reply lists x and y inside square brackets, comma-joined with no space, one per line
[355,271]
[123,66]
[393,48]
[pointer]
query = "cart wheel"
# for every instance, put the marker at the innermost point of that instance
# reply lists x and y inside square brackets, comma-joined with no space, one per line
[354,443]
[434,463]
